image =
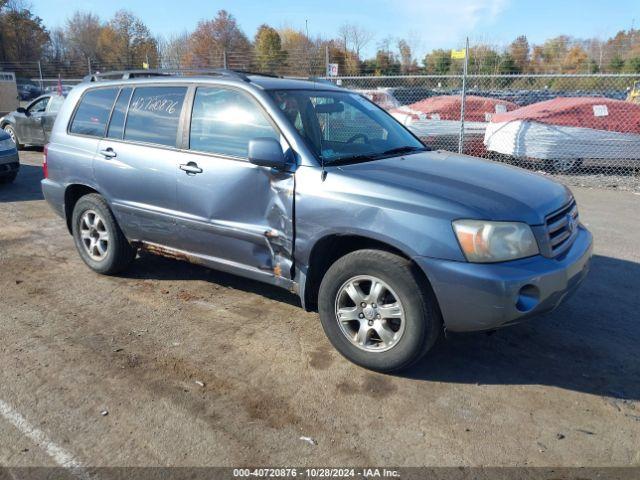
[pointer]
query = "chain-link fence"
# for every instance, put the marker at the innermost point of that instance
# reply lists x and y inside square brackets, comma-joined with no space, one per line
[583,129]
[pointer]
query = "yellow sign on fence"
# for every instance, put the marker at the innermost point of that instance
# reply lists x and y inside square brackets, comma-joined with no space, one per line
[458,54]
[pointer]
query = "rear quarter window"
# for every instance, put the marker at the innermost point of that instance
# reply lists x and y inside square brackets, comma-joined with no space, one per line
[93,112]
[154,115]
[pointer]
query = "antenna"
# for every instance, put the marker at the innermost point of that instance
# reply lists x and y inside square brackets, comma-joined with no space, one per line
[306,30]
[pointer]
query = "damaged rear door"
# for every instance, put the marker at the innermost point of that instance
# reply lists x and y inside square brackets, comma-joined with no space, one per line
[233,213]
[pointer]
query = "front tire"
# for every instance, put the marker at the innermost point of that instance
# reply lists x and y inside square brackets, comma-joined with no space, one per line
[98,238]
[378,311]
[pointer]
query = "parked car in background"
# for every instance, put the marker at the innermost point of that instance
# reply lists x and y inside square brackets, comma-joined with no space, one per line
[315,189]
[32,125]
[28,91]
[436,120]
[381,97]
[9,161]
[565,132]
[53,89]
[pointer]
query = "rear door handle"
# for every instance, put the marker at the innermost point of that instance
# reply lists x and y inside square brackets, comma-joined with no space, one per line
[108,153]
[191,168]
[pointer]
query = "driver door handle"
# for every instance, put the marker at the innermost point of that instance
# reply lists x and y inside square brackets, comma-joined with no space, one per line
[191,168]
[108,153]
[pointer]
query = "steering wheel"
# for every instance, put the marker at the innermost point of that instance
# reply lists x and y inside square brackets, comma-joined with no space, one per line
[357,136]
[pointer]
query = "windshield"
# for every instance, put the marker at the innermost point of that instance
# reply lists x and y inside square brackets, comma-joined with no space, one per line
[343,127]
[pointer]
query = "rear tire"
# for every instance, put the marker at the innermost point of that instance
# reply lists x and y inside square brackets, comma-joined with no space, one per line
[98,238]
[9,178]
[385,335]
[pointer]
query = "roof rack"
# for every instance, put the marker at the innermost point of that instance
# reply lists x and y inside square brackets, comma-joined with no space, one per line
[130,74]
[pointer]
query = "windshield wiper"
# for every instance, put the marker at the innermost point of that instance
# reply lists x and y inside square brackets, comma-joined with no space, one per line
[404,149]
[374,155]
[352,158]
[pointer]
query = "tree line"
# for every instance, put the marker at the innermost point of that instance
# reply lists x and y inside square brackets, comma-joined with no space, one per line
[86,43]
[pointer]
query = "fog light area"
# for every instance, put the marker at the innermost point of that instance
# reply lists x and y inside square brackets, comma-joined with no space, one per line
[528,298]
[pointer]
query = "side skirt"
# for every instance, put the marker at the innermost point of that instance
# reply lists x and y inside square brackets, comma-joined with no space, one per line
[220,264]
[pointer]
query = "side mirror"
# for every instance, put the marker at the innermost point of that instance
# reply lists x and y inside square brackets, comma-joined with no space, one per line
[267,152]
[21,110]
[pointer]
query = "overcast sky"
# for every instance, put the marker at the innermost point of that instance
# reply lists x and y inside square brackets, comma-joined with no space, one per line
[427,24]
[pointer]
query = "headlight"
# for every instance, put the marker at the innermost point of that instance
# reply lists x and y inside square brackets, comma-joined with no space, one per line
[7,144]
[486,242]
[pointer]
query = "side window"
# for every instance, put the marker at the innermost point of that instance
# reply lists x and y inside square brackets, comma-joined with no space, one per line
[154,114]
[223,121]
[55,103]
[93,112]
[116,125]
[40,106]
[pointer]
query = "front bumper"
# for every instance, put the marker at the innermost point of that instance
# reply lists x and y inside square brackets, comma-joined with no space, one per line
[476,296]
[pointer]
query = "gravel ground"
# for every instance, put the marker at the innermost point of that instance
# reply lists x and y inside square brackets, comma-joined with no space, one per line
[173,364]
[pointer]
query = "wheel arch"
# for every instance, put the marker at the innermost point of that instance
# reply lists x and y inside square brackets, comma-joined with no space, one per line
[72,194]
[330,248]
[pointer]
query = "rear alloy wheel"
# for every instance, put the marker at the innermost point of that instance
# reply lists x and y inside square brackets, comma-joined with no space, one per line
[98,238]
[94,235]
[378,310]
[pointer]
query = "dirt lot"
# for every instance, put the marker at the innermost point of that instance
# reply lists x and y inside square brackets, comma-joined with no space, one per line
[563,390]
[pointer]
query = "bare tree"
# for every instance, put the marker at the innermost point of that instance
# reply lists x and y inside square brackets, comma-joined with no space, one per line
[407,62]
[173,50]
[57,50]
[354,38]
[82,33]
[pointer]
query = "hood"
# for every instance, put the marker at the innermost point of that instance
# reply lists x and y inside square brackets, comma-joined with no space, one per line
[467,187]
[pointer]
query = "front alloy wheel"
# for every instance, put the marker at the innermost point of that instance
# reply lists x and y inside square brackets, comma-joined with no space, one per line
[369,313]
[378,310]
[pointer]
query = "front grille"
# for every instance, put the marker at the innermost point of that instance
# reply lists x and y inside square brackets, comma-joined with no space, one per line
[562,227]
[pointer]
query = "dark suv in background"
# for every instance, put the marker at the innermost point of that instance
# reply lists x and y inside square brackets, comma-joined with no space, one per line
[9,161]
[315,189]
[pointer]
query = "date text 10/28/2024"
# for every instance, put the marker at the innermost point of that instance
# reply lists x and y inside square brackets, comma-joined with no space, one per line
[315,473]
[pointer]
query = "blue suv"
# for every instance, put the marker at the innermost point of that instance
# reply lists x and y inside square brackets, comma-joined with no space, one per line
[315,189]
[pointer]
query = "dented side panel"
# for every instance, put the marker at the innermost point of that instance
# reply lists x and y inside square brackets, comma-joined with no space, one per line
[238,212]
